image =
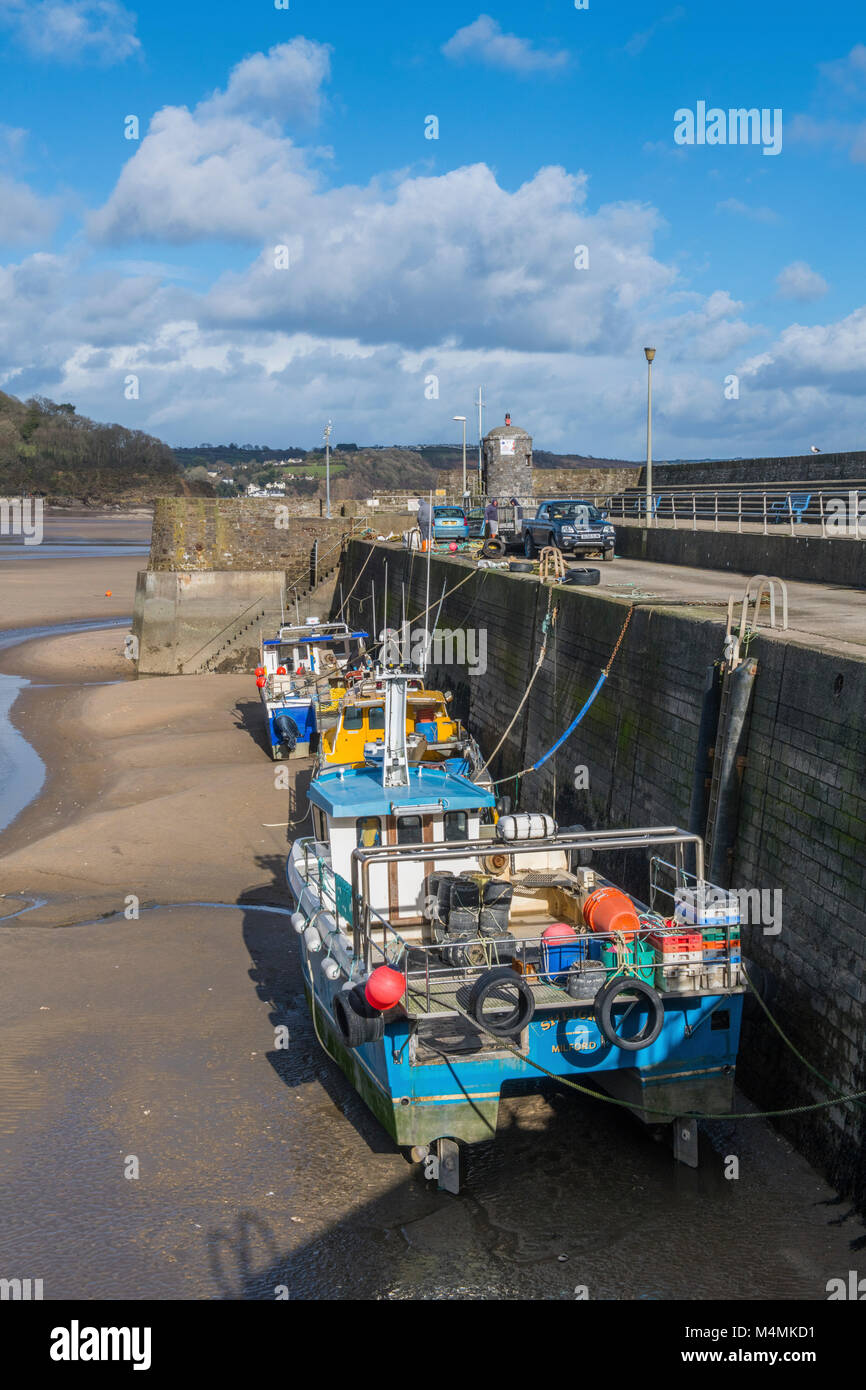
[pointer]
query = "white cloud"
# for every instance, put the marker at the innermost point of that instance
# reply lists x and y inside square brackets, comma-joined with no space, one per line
[799,281]
[848,73]
[70,31]
[412,274]
[740,209]
[25,218]
[283,84]
[638,42]
[485,41]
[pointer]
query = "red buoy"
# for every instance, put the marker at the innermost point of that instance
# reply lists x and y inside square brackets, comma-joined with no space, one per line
[452,547]
[560,931]
[281,670]
[261,682]
[384,988]
[260,670]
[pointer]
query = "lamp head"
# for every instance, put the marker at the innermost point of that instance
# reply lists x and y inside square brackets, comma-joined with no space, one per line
[650,354]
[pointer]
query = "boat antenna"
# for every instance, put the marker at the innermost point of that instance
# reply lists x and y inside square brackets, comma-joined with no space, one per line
[373,602]
[427,599]
[441,601]
[385,614]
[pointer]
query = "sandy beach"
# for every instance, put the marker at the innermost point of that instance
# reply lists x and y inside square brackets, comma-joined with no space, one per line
[136,1022]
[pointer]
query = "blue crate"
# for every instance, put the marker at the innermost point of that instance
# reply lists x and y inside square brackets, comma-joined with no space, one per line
[558,957]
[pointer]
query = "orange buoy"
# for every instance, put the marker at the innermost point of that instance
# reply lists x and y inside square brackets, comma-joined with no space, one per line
[384,988]
[108,593]
[609,909]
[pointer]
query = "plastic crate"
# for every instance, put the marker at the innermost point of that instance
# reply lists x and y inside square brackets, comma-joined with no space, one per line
[679,978]
[676,946]
[615,957]
[722,957]
[720,934]
[691,906]
[557,958]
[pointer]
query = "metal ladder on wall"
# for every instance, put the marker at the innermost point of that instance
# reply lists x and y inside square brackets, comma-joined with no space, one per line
[759,587]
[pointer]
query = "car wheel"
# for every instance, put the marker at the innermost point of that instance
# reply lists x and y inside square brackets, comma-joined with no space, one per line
[528,545]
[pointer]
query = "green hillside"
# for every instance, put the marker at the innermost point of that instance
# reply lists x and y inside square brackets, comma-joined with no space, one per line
[52,451]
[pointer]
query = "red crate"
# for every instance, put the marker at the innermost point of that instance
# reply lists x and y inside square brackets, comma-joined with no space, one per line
[675,943]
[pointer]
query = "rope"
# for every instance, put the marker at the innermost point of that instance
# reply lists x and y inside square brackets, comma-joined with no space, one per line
[668,1114]
[548,624]
[371,553]
[574,723]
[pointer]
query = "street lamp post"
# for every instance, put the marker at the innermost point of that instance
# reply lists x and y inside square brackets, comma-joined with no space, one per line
[463,418]
[328,429]
[480,404]
[650,354]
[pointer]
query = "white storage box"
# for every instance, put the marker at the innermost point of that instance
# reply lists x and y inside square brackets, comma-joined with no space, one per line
[704,907]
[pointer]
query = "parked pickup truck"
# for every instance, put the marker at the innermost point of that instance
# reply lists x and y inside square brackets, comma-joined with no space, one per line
[572,525]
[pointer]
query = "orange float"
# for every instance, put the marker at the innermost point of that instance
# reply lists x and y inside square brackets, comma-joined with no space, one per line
[609,910]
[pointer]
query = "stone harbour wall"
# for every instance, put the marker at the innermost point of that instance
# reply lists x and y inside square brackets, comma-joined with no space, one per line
[802,825]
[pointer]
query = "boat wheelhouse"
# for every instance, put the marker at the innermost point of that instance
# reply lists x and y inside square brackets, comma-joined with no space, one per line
[445,956]
[432,734]
[301,679]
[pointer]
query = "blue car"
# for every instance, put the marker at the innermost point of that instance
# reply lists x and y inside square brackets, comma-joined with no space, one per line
[450,524]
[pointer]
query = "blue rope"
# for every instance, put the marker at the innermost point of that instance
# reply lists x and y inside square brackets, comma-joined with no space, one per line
[572,726]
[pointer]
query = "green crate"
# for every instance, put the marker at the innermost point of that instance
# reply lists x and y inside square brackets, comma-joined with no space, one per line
[622,959]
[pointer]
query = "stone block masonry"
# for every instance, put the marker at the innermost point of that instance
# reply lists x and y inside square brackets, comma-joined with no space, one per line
[252,534]
[802,826]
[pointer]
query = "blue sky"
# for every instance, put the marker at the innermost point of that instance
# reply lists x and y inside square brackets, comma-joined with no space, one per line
[419,269]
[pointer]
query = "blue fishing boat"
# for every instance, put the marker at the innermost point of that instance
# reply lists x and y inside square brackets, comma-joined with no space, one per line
[301,678]
[446,952]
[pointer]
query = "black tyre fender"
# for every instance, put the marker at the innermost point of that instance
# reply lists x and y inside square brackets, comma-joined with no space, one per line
[357,1020]
[604,1004]
[520,567]
[488,984]
[284,726]
[492,548]
[579,575]
[528,545]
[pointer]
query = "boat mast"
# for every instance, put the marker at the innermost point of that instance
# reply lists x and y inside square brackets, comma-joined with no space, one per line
[395,760]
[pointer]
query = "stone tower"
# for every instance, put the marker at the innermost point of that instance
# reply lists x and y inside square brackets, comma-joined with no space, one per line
[507,462]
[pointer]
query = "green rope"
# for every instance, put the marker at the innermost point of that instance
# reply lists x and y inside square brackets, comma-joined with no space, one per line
[668,1114]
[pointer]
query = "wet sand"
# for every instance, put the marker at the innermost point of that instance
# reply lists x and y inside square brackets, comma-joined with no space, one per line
[37,589]
[152,1037]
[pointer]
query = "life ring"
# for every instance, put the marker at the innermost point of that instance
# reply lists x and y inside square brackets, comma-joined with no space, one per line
[516,1015]
[603,1008]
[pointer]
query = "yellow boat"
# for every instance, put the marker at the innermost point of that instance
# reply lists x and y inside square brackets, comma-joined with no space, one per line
[432,734]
